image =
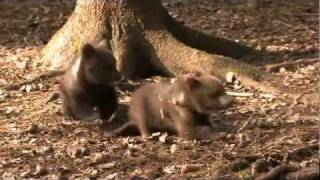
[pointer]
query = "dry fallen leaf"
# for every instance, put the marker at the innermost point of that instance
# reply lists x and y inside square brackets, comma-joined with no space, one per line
[170,169]
[111,176]
[163,137]
[109,165]
[76,152]
[173,148]
[99,158]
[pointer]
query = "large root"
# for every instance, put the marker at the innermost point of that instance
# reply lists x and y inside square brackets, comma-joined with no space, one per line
[182,59]
[210,44]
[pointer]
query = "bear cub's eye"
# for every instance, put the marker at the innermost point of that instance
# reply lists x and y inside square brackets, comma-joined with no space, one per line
[213,95]
[216,94]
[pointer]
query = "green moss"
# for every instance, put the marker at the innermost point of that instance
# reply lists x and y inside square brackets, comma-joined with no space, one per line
[76,42]
[212,170]
[239,164]
[247,71]
[245,174]
[216,167]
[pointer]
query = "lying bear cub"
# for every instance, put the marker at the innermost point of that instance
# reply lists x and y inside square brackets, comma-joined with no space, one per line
[177,106]
[86,88]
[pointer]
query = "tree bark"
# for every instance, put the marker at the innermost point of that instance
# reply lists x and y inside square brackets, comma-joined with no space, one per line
[146,41]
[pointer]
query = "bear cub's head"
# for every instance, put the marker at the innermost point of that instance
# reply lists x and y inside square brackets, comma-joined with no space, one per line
[204,93]
[98,65]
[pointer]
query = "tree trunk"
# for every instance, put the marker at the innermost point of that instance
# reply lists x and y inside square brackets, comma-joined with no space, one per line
[146,41]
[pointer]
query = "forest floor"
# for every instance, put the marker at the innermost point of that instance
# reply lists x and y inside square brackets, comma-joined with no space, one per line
[36,141]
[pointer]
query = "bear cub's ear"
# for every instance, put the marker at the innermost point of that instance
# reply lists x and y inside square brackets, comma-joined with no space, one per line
[103,43]
[192,81]
[87,50]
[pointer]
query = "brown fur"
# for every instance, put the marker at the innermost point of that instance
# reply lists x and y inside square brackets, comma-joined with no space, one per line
[178,106]
[86,87]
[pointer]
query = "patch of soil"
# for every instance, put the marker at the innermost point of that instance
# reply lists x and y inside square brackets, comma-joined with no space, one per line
[36,141]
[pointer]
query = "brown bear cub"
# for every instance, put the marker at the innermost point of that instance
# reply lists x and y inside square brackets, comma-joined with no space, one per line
[177,106]
[86,88]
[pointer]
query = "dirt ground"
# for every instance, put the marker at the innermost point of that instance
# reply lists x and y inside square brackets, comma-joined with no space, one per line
[37,142]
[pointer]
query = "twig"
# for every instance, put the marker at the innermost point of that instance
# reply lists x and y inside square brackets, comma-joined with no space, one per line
[276,67]
[244,94]
[258,85]
[44,75]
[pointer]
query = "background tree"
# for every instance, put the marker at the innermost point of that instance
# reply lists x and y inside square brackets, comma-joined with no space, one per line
[142,35]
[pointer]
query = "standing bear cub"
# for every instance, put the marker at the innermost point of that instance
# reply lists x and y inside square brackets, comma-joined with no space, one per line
[180,106]
[86,88]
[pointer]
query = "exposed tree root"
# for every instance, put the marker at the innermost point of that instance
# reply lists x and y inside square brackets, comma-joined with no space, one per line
[210,44]
[290,172]
[181,59]
[287,64]
[44,75]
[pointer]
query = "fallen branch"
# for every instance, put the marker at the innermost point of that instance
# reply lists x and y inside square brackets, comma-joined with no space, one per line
[187,168]
[250,158]
[290,172]
[305,150]
[45,75]
[287,64]
[277,172]
[307,173]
